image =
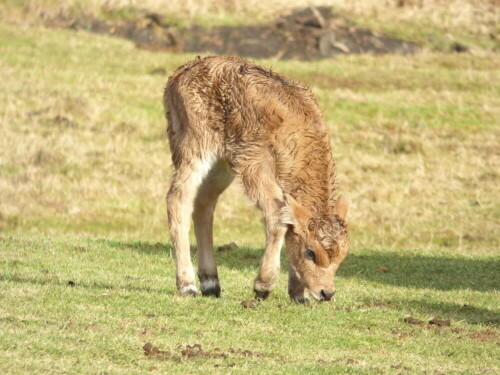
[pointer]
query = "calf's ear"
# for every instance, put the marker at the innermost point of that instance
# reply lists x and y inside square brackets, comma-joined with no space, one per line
[293,213]
[342,206]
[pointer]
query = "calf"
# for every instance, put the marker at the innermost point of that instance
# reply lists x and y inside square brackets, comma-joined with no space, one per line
[229,117]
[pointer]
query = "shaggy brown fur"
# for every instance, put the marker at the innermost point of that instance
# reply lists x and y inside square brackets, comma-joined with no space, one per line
[230,117]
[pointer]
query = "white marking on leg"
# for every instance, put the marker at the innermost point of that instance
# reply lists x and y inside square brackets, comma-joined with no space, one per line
[188,289]
[202,168]
[262,287]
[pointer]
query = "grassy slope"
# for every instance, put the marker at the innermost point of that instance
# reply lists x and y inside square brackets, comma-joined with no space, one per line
[83,172]
[416,141]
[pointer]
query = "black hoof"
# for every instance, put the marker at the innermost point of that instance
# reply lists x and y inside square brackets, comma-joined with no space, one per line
[210,288]
[261,294]
[211,292]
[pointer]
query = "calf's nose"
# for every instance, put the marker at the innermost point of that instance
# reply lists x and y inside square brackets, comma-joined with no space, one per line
[326,295]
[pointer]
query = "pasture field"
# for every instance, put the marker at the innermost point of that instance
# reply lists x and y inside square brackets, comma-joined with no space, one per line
[85,304]
[86,270]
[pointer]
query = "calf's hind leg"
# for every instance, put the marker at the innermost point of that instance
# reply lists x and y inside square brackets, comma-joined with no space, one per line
[218,179]
[180,198]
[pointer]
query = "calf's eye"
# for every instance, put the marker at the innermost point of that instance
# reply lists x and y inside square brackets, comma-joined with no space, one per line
[310,254]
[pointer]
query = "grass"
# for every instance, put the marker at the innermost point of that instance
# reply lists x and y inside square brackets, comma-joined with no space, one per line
[85,143]
[122,296]
[84,168]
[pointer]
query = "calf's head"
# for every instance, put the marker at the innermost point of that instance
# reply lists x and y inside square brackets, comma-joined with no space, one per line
[316,245]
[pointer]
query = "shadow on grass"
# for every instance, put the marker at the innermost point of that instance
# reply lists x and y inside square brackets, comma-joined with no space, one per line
[148,248]
[78,284]
[452,311]
[438,272]
[241,258]
[422,271]
[403,270]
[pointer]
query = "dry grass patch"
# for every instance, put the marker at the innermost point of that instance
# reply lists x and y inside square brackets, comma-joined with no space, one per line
[417,187]
[85,149]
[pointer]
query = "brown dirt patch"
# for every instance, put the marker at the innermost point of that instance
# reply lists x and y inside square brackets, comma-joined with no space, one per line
[190,352]
[401,334]
[486,335]
[250,304]
[380,304]
[152,352]
[305,34]
[347,361]
[229,246]
[436,322]
[412,320]
[440,322]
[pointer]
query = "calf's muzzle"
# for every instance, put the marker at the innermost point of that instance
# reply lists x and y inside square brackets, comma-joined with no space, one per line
[326,295]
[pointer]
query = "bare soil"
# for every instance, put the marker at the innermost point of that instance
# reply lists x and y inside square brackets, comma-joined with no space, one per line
[412,320]
[249,304]
[195,351]
[440,322]
[305,34]
[489,334]
[437,322]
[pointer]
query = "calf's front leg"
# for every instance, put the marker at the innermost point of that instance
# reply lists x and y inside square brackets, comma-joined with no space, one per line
[258,178]
[297,289]
[269,269]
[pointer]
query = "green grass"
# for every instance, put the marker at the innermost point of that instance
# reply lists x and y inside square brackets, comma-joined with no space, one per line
[84,168]
[124,296]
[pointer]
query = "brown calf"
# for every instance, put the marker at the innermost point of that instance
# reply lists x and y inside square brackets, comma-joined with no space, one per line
[229,117]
